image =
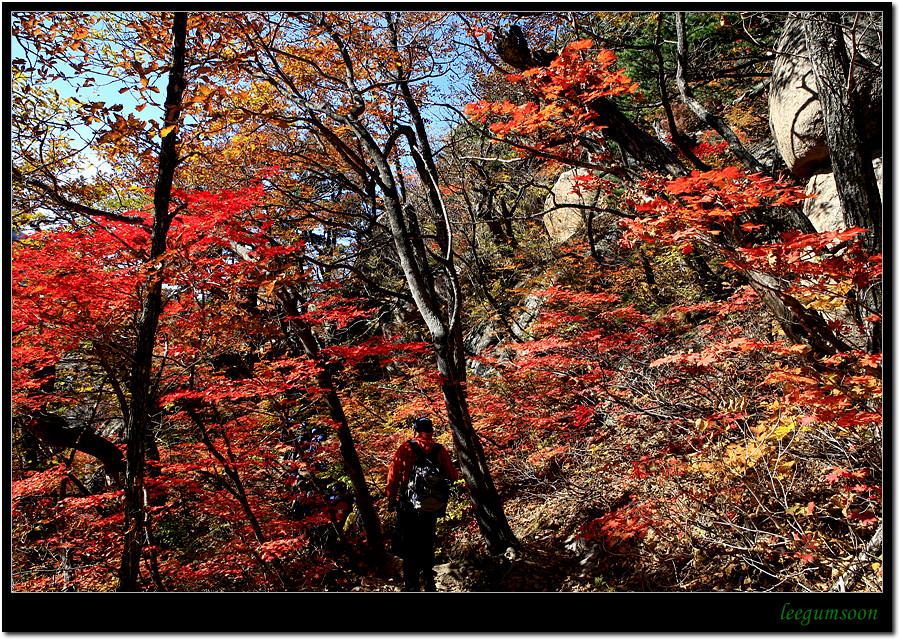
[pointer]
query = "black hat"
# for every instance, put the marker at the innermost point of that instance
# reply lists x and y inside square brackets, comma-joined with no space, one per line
[423,424]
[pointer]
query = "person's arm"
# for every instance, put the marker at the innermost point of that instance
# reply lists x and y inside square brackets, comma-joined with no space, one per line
[395,475]
[447,465]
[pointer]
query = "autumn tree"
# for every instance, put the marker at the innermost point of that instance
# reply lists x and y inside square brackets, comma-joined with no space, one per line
[844,131]
[41,178]
[140,381]
[365,112]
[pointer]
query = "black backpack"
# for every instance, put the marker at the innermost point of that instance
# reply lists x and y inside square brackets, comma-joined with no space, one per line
[428,488]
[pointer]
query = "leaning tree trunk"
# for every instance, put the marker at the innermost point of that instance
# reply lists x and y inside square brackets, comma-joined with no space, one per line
[371,161]
[851,161]
[310,346]
[140,384]
[714,121]
[55,431]
[444,327]
[446,341]
[444,321]
[483,494]
[636,143]
[306,342]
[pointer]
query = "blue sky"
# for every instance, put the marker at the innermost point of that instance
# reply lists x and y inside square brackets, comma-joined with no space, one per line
[109,93]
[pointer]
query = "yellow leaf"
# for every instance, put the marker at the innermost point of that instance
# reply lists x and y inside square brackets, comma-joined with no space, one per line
[166,131]
[783,469]
[784,428]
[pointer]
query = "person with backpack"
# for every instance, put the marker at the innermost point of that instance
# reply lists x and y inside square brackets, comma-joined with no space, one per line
[418,487]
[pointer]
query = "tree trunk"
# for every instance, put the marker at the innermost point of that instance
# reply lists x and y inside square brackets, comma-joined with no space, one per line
[444,323]
[871,551]
[634,141]
[141,381]
[648,151]
[799,324]
[483,494]
[851,161]
[236,489]
[677,139]
[371,160]
[446,341]
[370,520]
[714,121]
[506,219]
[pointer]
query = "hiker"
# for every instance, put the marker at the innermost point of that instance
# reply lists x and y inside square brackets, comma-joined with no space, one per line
[417,513]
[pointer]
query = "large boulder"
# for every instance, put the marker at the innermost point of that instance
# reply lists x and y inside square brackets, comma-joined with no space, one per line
[825,211]
[795,114]
[562,220]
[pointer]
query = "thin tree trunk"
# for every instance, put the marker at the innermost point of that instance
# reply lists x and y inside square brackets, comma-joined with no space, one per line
[446,341]
[370,520]
[648,268]
[140,384]
[506,219]
[702,112]
[677,139]
[309,345]
[236,489]
[848,579]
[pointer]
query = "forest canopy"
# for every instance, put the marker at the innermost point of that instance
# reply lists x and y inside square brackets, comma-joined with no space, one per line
[248,248]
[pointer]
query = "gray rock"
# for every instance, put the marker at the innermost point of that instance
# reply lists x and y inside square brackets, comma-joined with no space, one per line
[528,315]
[795,114]
[825,211]
[561,221]
[484,335]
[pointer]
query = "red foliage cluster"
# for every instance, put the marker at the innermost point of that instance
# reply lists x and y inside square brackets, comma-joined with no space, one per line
[564,90]
[223,482]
